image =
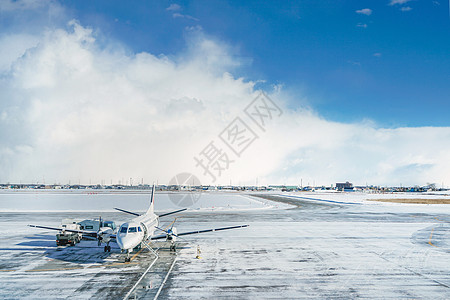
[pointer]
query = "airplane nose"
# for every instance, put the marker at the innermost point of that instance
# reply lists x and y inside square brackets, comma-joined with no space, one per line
[125,242]
[127,245]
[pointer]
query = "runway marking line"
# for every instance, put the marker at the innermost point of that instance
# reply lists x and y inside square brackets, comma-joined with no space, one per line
[134,256]
[431,236]
[140,279]
[165,279]
[58,269]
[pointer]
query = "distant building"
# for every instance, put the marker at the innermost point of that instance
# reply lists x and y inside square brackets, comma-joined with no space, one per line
[344,186]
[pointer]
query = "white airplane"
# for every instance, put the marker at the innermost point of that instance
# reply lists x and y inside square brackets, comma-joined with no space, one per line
[139,231]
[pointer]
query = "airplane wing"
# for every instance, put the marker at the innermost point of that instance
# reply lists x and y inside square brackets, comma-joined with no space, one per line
[94,238]
[126,211]
[172,212]
[163,236]
[162,215]
[89,233]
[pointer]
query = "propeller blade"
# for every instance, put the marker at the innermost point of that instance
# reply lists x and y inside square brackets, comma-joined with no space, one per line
[99,232]
[171,224]
[163,230]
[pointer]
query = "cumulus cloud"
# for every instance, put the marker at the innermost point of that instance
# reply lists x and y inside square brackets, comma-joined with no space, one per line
[178,15]
[74,110]
[395,2]
[361,25]
[364,11]
[173,7]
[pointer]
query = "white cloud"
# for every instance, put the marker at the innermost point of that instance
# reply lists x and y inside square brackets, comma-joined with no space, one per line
[395,2]
[176,7]
[364,11]
[10,5]
[178,15]
[362,25]
[377,54]
[173,7]
[406,8]
[13,47]
[72,110]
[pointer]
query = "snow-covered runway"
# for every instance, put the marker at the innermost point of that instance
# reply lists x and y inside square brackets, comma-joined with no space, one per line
[294,248]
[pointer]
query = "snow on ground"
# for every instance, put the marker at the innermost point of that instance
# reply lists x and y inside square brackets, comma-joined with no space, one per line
[54,200]
[91,200]
[311,249]
[358,198]
[319,251]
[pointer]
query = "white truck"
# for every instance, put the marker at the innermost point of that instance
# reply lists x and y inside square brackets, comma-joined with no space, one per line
[68,238]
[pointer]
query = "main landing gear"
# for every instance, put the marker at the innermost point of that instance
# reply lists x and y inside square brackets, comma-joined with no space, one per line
[107,248]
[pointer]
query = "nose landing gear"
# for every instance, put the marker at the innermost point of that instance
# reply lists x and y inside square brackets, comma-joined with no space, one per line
[128,259]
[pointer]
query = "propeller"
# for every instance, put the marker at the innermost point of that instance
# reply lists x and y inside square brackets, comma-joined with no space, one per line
[171,232]
[102,234]
[99,233]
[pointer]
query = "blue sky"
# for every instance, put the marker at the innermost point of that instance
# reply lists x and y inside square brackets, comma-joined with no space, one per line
[94,91]
[390,65]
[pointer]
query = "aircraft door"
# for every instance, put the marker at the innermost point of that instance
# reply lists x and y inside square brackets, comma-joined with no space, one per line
[145,230]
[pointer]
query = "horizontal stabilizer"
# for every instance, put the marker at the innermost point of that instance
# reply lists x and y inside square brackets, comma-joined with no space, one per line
[172,212]
[163,236]
[126,211]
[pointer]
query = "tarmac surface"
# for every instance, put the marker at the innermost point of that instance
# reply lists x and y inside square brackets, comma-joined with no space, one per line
[319,250]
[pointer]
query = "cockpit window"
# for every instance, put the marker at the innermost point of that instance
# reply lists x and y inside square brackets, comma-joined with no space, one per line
[123,229]
[132,229]
[139,229]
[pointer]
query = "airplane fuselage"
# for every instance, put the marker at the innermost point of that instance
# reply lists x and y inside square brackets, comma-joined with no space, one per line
[131,234]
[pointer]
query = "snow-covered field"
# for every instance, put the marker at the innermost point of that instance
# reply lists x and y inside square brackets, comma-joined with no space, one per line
[364,198]
[309,245]
[105,201]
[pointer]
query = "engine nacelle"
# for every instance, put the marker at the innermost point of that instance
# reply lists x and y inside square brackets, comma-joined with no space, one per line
[104,234]
[171,234]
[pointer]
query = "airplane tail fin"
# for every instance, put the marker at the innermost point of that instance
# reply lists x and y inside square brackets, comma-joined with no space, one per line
[151,209]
